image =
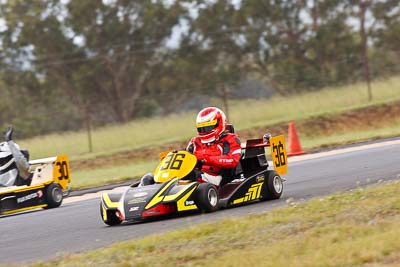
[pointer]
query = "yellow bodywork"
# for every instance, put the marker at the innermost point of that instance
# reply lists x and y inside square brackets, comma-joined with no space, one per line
[160,195]
[55,169]
[45,172]
[107,203]
[176,164]
[253,193]
[181,195]
[181,203]
[23,209]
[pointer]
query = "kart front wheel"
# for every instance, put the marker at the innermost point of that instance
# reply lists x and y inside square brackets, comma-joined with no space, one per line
[207,197]
[273,187]
[109,217]
[53,196]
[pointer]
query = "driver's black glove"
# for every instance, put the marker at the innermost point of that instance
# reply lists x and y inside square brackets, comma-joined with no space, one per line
[266,138]
[199,164]
[9,133]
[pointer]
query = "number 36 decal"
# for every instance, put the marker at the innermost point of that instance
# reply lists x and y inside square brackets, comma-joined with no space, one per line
[278,153]
[173,161]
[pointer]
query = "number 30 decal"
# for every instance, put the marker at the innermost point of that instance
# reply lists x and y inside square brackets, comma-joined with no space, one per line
[63,170]
[278,153]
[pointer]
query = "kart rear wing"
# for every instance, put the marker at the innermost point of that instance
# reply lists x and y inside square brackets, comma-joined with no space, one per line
[42,161]
[254,148]
[260,142]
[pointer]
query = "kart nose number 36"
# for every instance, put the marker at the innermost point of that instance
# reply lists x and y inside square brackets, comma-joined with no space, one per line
[173,162]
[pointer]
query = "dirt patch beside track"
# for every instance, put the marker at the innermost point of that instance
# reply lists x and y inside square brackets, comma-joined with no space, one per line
[372,117]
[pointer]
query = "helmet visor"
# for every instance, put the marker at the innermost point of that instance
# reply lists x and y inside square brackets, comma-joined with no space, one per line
[206,127]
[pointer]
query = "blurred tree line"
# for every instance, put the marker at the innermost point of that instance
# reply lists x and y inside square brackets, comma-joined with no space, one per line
[69,64]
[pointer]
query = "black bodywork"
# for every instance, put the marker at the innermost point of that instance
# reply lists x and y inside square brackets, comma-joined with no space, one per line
[252,169]
[23,198]
[250,181]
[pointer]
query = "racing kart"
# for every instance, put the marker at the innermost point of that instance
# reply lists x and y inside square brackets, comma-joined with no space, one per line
[49,183]
[173,192]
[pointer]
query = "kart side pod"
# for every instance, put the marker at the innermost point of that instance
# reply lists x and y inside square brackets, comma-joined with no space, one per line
[49,184]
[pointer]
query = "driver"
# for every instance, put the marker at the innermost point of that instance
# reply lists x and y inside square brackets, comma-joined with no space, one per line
[14,166]
[217,150]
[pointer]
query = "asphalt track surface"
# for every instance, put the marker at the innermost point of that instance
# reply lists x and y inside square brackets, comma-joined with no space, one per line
[76,226]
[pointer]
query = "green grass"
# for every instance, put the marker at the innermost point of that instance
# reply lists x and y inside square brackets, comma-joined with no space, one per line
[89,178]
[359,228]
[345,137]
[112,139]
[244,114]
[327,101]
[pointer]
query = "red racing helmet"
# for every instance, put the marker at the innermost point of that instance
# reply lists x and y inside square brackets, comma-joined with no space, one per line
[210,123]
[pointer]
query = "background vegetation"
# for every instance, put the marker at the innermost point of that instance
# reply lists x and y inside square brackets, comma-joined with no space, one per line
[135,135]
[71,65]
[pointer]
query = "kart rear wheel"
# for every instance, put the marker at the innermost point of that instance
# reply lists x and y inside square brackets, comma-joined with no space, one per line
[112,218]
[207,197]
[273,187]
[53,196]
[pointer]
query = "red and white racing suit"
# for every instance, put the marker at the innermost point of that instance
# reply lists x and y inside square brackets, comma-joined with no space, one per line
[217,156]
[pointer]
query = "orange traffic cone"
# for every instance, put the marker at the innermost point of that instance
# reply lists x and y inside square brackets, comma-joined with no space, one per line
[294,143]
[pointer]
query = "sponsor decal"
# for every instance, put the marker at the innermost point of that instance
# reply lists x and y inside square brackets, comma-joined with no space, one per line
[140,194]
[260,178]
[225,160]
[27,197]
[253,193]
[189,202]
[133,209]
[137,200]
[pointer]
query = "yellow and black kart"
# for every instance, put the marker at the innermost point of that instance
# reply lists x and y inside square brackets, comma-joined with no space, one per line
[46,189]
[173,192]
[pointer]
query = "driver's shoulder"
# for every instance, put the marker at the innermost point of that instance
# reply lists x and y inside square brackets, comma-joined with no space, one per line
[230,137]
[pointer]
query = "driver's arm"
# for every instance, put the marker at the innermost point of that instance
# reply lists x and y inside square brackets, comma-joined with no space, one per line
[230,156]
[20,160]
[192,145]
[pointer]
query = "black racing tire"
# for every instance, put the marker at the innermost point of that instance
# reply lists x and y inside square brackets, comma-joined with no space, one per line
[112,218]
[207,198]
[53,196]
[273,187]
